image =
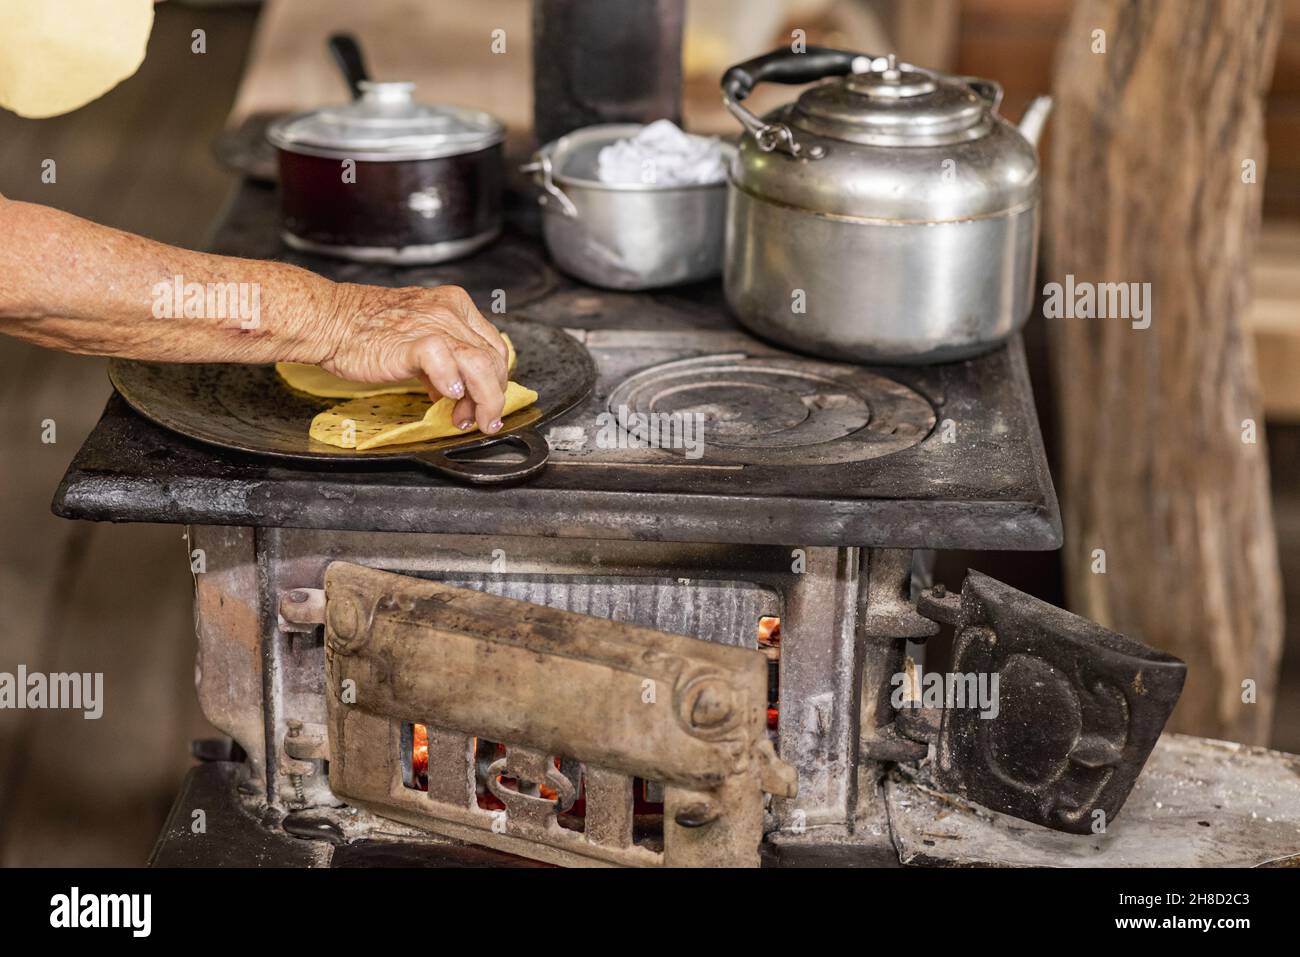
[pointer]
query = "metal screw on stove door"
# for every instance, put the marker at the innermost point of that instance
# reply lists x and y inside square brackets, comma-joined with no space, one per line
[299,792]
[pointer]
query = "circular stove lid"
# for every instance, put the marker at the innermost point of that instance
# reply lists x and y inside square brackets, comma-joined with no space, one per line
[780,410]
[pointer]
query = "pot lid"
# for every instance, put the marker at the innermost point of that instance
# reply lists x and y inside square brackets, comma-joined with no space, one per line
[386,123]
[896,104]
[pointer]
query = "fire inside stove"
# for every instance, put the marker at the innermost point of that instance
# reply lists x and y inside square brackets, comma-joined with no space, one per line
[647,795]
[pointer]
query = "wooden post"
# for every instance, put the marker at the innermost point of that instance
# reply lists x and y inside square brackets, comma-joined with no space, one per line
[1155,176]
[925,32]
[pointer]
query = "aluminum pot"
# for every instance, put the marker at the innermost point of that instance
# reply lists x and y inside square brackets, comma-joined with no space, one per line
[889,215]
[625,236]
[387,179]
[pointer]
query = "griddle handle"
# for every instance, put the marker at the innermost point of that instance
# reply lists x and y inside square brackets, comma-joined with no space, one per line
[536,452]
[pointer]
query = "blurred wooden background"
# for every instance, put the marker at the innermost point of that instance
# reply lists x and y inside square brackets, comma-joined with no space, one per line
[116,599]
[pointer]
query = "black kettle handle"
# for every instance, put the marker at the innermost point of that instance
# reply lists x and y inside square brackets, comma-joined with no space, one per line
[783,65]
[347,54]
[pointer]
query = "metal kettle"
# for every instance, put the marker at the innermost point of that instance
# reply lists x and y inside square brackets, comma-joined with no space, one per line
[887,215]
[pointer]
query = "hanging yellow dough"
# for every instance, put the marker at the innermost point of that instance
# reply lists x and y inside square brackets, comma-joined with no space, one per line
[316,381]
[375,421]
[58,55]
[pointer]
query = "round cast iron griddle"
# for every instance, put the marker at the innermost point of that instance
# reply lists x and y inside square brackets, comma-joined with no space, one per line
[251,409]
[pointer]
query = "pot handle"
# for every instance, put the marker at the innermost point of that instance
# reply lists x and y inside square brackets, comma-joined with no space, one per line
[543,176]
[536,453]
[782,66]
[347,54]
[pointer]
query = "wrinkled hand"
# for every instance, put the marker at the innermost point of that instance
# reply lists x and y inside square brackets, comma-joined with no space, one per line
[384,335]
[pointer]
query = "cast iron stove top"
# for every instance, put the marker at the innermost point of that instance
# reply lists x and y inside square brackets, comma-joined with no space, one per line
[761,446]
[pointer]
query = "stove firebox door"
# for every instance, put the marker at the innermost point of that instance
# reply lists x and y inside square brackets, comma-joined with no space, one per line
[608,701]
[1077,708]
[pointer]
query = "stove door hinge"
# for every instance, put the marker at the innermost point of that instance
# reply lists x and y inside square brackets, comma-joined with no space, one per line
[914,729]
[305,742]
[916,721]
[304,748]
[1045,716]
[891,620]
[302,610]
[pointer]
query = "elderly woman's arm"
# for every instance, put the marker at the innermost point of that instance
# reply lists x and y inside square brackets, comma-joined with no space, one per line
[71,284]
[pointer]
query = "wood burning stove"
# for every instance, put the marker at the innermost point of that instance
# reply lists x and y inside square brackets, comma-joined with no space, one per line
[590,639]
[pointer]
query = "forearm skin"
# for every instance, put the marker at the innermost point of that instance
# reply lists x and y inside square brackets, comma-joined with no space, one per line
[74,285]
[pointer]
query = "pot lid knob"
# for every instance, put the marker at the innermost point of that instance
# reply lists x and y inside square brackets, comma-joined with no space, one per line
[386,94]
[886,77]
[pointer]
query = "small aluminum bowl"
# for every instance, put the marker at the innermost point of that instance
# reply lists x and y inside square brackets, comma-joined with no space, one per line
[626,236]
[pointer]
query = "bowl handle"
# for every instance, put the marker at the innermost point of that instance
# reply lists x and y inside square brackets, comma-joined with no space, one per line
[543,176]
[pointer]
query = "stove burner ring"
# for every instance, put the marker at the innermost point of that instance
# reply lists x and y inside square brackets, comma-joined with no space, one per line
[761,411]
[779,409]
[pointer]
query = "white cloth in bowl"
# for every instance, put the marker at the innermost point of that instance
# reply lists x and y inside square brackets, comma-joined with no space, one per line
[662,155]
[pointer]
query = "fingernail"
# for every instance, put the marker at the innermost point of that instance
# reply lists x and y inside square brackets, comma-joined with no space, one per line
[494,425]
[463,426]
[457,389]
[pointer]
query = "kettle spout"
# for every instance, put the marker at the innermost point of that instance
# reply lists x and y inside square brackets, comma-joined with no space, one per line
[1035,118]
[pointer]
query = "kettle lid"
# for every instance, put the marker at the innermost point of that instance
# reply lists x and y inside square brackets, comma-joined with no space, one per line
[886,103]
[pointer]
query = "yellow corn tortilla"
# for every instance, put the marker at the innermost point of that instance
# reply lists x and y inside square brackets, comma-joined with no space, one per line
[316,381]
[58,55]
[372,422]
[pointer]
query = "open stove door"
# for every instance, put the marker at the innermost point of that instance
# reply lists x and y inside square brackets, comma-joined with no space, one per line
[615,700]
[1074,715]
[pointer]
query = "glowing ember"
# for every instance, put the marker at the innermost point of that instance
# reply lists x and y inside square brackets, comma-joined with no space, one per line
[419,750]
